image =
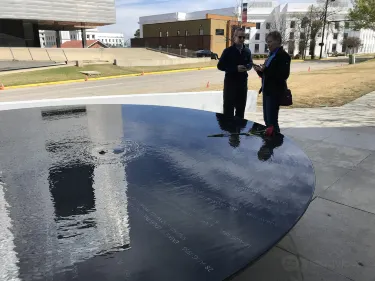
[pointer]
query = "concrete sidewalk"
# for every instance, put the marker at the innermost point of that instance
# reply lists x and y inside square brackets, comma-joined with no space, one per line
[335,239]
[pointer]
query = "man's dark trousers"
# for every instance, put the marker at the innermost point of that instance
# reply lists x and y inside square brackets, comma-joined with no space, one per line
[271,108]
[235,97]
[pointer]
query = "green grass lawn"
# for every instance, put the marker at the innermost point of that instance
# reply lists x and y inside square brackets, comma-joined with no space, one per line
[73,72]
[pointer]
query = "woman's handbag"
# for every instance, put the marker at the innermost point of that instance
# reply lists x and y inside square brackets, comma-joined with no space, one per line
[286,98]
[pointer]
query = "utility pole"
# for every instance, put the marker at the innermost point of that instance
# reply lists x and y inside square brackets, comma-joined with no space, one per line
[324,27]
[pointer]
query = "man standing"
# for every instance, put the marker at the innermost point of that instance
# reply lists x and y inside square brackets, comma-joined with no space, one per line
[235,61]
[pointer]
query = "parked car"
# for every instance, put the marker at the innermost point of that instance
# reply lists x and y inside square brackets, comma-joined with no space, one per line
[206,53]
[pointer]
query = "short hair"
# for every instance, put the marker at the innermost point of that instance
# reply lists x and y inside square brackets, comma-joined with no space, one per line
[275,36]
[238,29]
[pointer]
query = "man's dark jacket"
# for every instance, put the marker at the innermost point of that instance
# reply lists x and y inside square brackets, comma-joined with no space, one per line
[275,75]
[231,59]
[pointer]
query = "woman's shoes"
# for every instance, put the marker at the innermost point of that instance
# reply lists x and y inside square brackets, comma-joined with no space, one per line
[270,131]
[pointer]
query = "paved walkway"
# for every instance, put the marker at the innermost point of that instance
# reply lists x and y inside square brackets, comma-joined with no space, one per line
[335,239]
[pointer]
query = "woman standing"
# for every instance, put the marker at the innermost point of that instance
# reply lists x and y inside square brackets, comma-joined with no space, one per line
[274,73]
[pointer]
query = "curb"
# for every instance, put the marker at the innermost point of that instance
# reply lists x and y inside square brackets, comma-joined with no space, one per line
[107,77]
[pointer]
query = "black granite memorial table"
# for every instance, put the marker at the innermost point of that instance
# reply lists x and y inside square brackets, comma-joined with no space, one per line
[127,192]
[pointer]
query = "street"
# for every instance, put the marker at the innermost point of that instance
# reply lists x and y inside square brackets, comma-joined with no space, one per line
[159,83]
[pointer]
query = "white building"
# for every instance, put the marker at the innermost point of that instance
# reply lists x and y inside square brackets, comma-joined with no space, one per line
[48,37]
[269,14]
[24,18]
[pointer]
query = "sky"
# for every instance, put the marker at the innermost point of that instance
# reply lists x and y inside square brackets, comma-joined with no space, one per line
[129,11]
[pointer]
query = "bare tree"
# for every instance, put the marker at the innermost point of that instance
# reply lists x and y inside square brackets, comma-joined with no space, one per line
[279,23]
[311,24]
[303,27]
[352,43]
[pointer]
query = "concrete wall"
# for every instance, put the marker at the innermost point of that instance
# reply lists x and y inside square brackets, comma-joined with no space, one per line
[86,11]
[158,62]
[124,56]
[54,54]
[209,101]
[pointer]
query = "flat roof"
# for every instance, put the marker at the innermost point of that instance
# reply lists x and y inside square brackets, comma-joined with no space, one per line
[68,13]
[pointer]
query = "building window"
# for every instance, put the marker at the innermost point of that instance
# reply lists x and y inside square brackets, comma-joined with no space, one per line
[256,50]
[186,33]
[88,36]
[93,36]
[219,31]
[302,36]
[347,24]
[335,35]
[343,48]
[167,33]
[258,25]
[201,31]
[334,48]
[291,36]
[268,25]
[292,24]
[257,36]
[346,35]
[160,34]
[178,33]
[337,25]
[266,48]
[247,36]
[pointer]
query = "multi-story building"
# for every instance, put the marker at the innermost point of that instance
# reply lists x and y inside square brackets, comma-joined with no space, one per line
[270,15]
[109,39]
[20,21]
[48,37]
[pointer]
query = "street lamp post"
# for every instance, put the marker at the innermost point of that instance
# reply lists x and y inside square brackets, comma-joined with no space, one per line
[324,27]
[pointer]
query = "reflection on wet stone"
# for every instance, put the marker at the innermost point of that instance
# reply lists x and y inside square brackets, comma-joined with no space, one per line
[140,193]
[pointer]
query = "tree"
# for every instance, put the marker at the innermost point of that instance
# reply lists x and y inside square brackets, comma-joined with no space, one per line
[363,14]
[352,43]
[304,26]
[279,24]
[311,23]
[137,33]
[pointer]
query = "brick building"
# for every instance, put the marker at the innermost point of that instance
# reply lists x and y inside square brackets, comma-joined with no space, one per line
[211,32]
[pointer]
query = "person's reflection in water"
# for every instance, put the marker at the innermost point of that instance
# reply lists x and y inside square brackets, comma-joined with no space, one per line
[233,125]
[269,144]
